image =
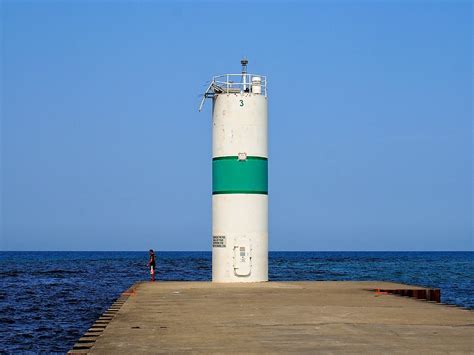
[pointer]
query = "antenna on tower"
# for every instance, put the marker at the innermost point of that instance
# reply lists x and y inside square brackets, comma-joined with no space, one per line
[244,63]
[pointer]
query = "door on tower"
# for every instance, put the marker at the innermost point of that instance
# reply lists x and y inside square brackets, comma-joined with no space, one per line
[242,256]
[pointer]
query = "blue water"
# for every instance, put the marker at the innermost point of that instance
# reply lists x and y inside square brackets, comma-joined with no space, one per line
[49,299]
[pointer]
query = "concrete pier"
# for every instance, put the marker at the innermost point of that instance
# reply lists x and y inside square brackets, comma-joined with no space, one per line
[279,317]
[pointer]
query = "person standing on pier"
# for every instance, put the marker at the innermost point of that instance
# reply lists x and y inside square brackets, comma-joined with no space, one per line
[152,264]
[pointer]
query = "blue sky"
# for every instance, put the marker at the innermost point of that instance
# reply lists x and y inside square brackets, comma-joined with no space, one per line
[370,109]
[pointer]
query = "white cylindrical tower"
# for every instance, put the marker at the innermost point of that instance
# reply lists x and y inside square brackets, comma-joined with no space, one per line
[239,177]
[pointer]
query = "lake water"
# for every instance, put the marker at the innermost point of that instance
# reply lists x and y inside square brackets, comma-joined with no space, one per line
[49,299]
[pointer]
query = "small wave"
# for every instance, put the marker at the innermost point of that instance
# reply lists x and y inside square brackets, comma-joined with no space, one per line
[4,320]
[58,272]
[10,273]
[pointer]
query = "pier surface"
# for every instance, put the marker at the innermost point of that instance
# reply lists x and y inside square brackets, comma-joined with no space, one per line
[298,317]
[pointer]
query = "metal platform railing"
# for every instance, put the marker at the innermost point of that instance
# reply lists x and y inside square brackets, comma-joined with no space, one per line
[235,84]
[231,83]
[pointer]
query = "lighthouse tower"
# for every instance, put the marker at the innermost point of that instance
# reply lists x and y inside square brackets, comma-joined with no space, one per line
[239,177]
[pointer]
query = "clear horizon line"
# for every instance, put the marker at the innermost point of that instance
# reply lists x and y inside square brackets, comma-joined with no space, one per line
[270,251]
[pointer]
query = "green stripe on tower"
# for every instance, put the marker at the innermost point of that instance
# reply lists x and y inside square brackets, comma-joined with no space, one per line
[233,176]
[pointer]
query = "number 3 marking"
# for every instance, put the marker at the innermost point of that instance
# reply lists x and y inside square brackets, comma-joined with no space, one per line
[241,103]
